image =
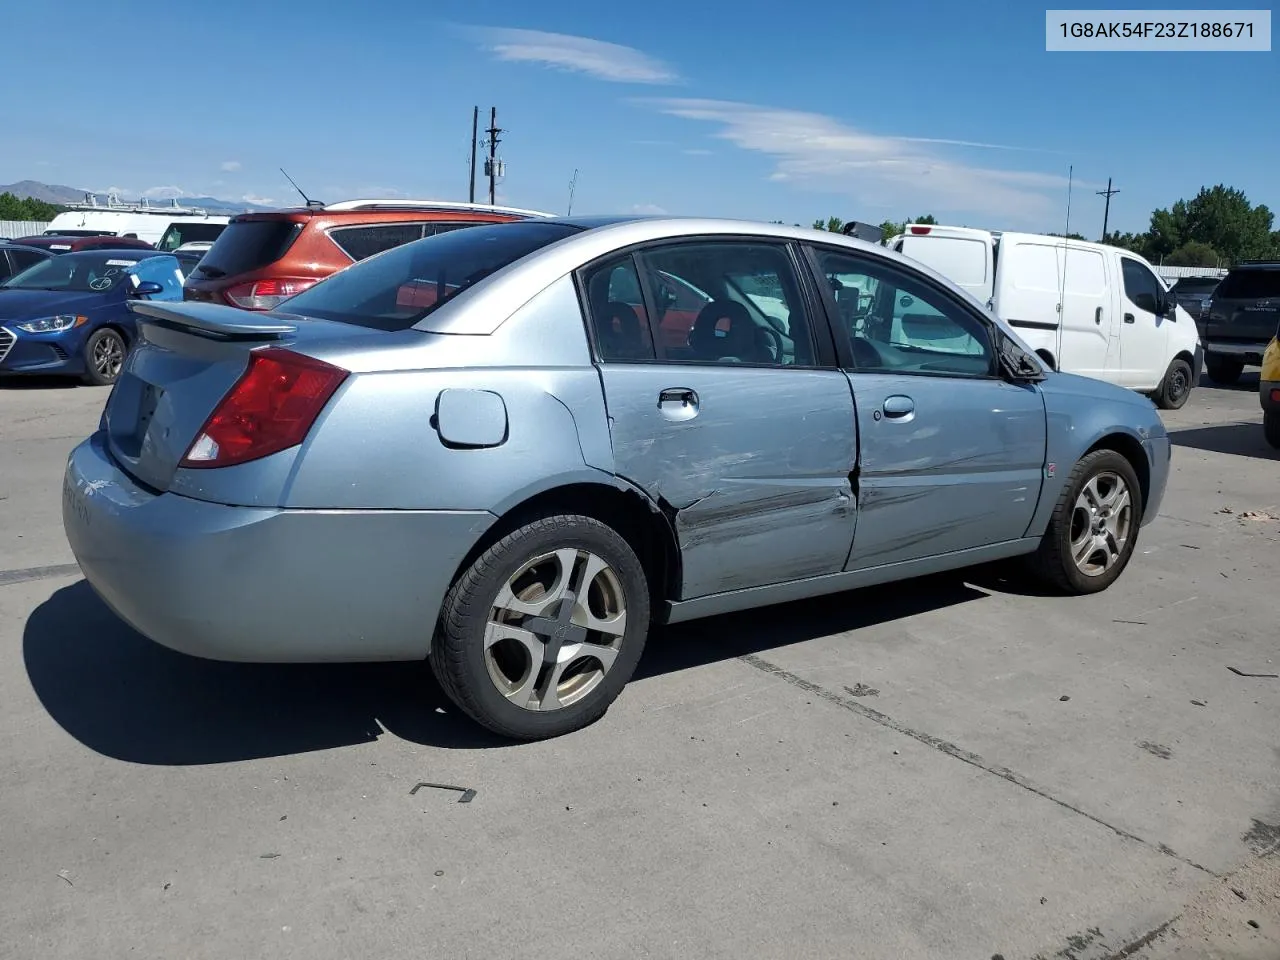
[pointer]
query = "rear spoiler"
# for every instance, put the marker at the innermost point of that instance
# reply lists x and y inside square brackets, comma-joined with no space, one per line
[212,320]
[862,231]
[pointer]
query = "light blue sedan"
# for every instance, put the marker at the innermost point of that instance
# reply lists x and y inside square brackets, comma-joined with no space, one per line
[513,449]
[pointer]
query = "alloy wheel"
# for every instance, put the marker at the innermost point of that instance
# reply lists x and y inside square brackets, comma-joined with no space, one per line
[1101,523]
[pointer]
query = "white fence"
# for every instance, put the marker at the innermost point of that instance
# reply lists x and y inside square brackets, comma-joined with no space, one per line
[1173,273]
[21,228]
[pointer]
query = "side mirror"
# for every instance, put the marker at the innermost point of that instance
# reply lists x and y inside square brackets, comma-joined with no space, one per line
[1167,305]
[147,288]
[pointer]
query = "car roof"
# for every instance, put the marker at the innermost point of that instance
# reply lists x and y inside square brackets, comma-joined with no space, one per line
[136,253]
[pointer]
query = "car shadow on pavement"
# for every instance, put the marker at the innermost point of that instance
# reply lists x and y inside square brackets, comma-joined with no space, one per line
[126,697]
[38,383]
[701,642]
[1248,382]
[1240,439]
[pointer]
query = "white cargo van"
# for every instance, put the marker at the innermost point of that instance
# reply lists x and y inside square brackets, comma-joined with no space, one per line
[166,228]
[1084,307]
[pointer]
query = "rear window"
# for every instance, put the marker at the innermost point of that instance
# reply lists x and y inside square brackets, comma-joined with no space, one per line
[395,290]
[1195,286]
[1255,284]
[248,245]
[179,233]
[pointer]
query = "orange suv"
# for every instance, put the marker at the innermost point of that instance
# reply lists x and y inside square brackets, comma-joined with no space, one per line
[262,259]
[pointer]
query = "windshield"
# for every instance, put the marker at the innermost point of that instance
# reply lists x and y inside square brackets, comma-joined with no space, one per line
[396,289]
[75,273]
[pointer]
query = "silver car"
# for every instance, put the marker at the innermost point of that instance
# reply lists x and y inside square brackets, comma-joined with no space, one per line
[513,449]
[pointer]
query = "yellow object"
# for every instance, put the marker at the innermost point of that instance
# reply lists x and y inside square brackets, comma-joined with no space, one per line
[1271,361]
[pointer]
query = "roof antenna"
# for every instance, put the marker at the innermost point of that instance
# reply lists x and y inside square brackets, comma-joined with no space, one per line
[1066,236]
[311,204]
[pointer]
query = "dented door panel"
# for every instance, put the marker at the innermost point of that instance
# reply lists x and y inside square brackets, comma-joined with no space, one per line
[963,468]
[752,466]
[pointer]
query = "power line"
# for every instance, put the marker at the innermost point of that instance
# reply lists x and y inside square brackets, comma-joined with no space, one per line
[1106,212]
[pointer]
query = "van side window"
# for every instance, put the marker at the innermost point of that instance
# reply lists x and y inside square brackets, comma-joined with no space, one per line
[897,324]
[1140,285]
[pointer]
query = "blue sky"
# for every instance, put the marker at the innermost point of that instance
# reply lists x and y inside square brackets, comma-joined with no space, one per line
[752,109]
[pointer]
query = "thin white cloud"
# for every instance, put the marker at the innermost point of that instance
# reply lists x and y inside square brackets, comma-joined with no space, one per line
[649,209]
[164,193]
[696,152]
[259,201]
[230,166]
[596,58]
[819,152]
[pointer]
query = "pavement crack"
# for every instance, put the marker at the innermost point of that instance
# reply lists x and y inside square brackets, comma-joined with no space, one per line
[952,750]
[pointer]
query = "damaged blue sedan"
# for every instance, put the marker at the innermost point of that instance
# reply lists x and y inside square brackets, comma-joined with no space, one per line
[511,450]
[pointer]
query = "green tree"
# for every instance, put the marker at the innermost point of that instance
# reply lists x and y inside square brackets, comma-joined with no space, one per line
[26,208]
[1193,253]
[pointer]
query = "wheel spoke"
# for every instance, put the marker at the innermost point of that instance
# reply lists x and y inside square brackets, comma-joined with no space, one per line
[606,655]
[1110,551]
[545,604]
[614,626]
[1090,494]
[1113,496]
[548,696]
[1082,549]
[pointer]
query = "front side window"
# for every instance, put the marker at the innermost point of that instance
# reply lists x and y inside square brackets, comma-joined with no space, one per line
[897,323]
[749,307]
[1140,285]
[619,321]
[162,270]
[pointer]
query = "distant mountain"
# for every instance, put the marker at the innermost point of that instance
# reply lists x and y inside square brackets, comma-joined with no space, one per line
[57,193]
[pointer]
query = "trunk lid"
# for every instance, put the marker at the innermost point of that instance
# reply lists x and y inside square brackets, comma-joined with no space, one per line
[187,356]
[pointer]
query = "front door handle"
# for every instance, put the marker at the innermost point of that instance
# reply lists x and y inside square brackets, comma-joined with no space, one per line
[678,403]
[1128,318]
[898,407]
[1097,316]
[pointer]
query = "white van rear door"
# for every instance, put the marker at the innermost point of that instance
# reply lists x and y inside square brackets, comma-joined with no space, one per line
[961,254]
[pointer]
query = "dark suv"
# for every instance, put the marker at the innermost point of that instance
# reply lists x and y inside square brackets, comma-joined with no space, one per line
[1241,319]
[262,259]
[1195,293]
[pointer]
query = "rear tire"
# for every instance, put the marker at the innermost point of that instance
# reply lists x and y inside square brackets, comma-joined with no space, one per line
[1175,389]
[1271,427]
[1094,527]
[1223,370]
[539,635]
[104,354]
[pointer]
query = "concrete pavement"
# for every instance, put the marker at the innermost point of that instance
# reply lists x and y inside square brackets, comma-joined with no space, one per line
[943,768]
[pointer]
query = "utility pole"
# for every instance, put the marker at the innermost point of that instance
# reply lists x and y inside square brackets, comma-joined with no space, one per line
[1106,211]
[493,132]
[475,123]
[572,184]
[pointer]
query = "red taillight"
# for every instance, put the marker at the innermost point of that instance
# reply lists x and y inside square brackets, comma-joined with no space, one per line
[919,231]
[267,294]
[271,408]
[1275,396]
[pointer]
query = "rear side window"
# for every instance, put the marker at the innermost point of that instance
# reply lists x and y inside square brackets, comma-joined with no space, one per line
[24,258]
[1249,285]
[248,245]
[405,284]
[364,241]
[960,259]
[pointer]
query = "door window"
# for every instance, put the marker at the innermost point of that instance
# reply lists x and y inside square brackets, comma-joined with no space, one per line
[1140,285]
[728,302]
[898,324]
[619,320]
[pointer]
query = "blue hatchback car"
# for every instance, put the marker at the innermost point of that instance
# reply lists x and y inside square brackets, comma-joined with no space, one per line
[70,314]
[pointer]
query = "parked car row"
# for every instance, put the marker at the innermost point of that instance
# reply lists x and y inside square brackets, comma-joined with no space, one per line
[622,422]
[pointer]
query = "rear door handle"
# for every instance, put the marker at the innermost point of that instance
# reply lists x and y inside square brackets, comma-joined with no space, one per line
[1097,316]
[1128,318]
[678,403]
[897,407]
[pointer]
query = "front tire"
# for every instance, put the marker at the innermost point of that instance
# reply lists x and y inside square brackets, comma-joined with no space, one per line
[1271,427]
[1094,527]
[104,353]
[539,635]
[1224,370]
[1176,386]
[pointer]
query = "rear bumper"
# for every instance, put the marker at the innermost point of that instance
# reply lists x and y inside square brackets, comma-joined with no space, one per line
[1159,452]
[261,584]
[1247,353]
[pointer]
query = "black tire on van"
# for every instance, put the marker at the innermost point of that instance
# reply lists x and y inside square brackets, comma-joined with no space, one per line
[1176,386]
[1224,370]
